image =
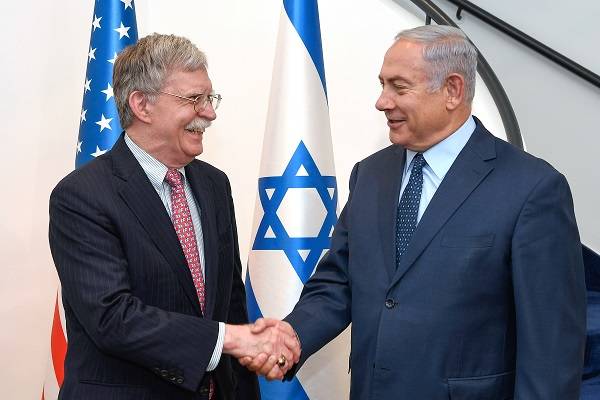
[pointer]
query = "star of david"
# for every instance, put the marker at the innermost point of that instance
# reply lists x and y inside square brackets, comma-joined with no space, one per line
[278,238]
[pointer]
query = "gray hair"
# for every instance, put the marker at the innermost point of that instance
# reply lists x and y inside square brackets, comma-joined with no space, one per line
[146,65]
[446,50]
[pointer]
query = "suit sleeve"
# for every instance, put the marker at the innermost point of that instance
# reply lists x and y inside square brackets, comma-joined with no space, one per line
[549,295]
[324,308]
[92,267]
[247,382]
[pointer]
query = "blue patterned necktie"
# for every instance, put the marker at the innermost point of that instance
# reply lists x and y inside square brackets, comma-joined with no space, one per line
[408,207]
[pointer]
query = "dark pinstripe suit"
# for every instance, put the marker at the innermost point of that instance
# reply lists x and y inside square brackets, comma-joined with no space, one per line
[134,323]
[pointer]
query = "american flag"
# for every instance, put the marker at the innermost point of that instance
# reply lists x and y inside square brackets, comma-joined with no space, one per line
[113,28]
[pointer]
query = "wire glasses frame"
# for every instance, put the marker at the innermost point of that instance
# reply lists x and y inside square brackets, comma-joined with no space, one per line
[200,102]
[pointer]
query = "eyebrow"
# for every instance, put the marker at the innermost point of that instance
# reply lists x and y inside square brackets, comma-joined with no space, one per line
[395,78]
[196,94]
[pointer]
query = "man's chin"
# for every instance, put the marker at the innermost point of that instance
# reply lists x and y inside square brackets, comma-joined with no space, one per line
[397,138]
[193,150]
[197,151]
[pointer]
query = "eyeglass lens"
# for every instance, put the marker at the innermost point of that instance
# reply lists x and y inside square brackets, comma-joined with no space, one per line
[202,101]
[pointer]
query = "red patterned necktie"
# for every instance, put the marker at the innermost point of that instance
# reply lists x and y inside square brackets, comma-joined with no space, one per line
[182,221]
[184,227]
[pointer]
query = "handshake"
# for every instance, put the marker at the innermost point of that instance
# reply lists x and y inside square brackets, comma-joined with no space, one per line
[268,347]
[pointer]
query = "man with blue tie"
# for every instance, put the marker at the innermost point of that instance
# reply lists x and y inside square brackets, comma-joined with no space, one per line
[456,258]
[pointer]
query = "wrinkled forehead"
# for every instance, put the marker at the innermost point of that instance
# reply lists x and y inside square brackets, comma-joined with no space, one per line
[402,58]
[194,81]
[405,52]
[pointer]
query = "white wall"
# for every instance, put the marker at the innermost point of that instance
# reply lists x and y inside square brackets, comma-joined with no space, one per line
[44,48]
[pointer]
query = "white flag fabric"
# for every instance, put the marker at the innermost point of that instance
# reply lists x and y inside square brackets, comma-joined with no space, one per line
[296,206]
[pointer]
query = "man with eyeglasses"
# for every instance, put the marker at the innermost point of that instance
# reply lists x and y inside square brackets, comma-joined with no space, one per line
[145,244]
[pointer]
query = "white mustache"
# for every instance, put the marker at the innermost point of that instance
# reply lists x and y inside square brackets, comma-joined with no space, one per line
[198,124]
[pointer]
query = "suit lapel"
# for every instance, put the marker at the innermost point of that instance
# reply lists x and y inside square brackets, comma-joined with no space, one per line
[139,195]
[468,170]
[387,204]
[204,194]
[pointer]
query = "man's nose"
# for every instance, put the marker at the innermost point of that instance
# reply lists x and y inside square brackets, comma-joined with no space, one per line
[384,102]
[208,112]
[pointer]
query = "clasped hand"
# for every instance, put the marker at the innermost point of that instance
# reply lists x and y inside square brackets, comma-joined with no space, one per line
[268,347]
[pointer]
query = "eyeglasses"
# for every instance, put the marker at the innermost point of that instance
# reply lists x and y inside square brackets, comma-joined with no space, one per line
[200,102]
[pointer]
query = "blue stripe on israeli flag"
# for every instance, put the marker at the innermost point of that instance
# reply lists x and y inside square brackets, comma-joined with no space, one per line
[304,15]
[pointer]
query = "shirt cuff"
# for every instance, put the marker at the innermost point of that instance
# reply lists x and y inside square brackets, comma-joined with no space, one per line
[216,356]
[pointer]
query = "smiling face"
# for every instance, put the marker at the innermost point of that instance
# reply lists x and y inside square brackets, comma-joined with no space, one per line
[418,118]
[174,134]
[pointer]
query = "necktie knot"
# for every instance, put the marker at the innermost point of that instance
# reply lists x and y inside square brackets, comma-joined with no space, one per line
[418,162]
[173,178]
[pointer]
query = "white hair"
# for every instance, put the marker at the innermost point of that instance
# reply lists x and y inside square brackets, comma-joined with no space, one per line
[146,65]
[446,50]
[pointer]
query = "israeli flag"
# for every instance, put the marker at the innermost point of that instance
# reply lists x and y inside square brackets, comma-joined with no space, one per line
[296,206]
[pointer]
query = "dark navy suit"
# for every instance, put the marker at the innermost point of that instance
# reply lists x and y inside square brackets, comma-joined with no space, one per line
[134,324]
[488,301]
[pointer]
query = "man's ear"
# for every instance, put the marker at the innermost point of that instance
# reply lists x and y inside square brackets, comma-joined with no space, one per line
[140,107]
[455,91]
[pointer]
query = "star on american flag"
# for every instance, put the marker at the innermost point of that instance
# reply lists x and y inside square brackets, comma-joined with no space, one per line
[104,123]
[92,54]
[86,86]
[127,3]
[96,23]
[108,92]
[98,152]
[122,31]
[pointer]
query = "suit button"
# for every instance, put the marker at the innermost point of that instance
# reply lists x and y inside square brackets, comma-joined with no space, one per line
[164,373]
[172,378]
[180,380]
[156,370]
[389,303]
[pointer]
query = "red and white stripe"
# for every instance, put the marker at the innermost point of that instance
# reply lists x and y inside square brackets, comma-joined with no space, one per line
[58,346]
